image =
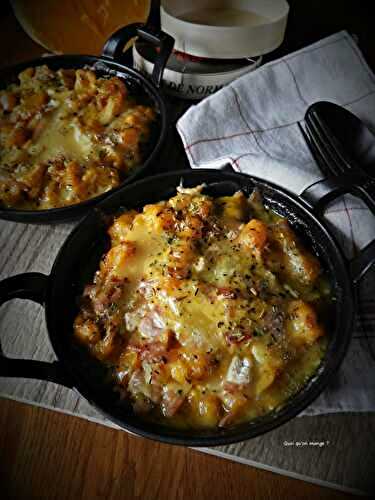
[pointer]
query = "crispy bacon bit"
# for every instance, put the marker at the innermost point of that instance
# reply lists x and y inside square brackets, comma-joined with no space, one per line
[167,219]
[115,293]
[227,293]
[138,386]
[174,396]
[171,405]
[154,351]
[149,327]
[237,337]
[146,288]
[234,403]
[101,298]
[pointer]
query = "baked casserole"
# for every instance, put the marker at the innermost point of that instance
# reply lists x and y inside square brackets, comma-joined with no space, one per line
[67,136]
[206,311]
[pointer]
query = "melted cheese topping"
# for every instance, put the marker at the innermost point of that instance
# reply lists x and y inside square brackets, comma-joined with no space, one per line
[67,136]
[62,140]
[205,310]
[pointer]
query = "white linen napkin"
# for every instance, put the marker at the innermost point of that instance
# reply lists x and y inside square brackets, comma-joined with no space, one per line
[253,125]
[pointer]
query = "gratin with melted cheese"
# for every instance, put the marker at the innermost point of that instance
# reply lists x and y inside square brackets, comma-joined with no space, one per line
[67,136]
[205,310]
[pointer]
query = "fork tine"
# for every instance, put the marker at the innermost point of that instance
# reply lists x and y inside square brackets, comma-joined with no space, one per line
[347,163]
[321,138]
[342,167]
[367,193]
[326,152]
[330,161]
[314,151]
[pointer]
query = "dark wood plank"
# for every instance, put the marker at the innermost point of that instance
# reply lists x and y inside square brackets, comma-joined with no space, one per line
[49,455]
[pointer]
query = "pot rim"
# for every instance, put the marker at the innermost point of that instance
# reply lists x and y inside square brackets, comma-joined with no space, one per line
[70,212]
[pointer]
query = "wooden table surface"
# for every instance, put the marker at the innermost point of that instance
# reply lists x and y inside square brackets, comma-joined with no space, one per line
[47,455]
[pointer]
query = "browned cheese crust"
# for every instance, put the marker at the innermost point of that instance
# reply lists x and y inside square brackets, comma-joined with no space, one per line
[206,310]
[67,136]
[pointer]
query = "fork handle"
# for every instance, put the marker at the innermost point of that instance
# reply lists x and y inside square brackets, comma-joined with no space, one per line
[319,194]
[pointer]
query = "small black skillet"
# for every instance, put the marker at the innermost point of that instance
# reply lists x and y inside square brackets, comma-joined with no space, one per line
[110,63]
[79,257]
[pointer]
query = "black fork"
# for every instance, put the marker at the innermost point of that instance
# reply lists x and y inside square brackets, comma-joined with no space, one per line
[329,162]
[338,161]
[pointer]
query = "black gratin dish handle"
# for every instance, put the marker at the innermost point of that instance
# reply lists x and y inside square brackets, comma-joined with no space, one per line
[32,286]
[113,48]
[319,194]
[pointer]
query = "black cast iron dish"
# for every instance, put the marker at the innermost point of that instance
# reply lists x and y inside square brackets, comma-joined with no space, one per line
[78,259]
[109,63]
